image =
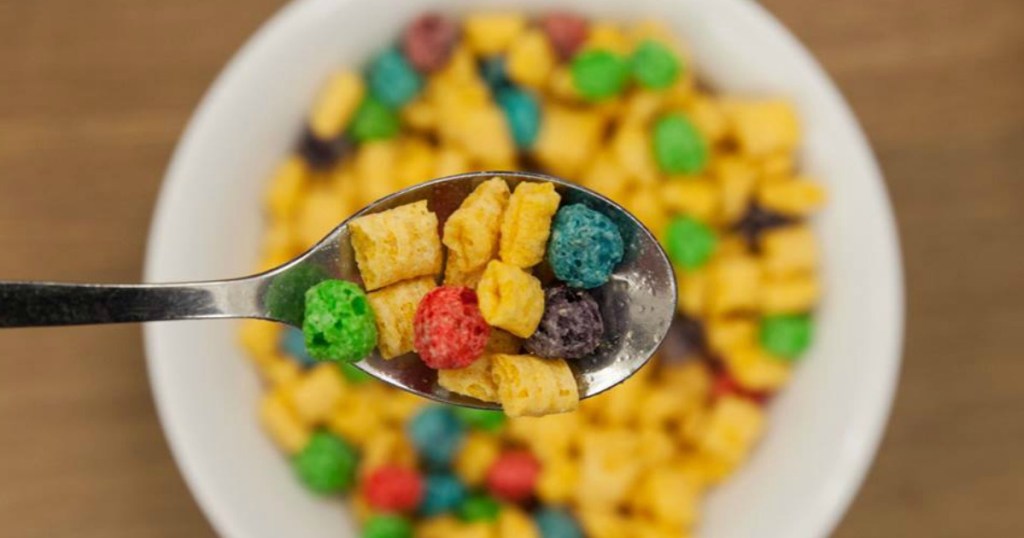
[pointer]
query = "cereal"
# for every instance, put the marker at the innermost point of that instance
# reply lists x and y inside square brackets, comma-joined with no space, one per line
[393,489]
[786,336]
[571,327]
[482,419]
[585,246]
[327,464]
[678,145]
[567,140]
[492,33]
[387,526]
[599,74]
[654,65]
[514,523]
[510,298]
[471,232]
[476,457]
[428,42]
[442,493]
[394,308]
[556,523]
[791,197]
[339,323]
[436,433]
[323,153]
[528,386]
[479,507]
[689,242]
[474,380]
[513,476]
[396,245]
[336,105]
[314,396]
[530,59]
[392,79]
[522,113]
[373,120]
[450,330]
[293,343]
[566,31]
[527,224]
[763,127]
[282,424]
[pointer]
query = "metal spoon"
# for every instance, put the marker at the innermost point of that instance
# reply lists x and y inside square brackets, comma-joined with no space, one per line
[637,303]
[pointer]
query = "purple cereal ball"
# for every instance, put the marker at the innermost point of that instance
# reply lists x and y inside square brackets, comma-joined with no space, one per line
[571,327]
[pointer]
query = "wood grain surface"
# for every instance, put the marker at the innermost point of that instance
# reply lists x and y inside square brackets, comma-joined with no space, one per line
[94,94]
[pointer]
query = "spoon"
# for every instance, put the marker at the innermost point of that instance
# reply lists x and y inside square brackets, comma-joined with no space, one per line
[637,303]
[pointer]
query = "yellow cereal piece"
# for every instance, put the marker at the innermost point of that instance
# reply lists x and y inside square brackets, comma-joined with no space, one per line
[798,197]
[358,419]
[734,282]
[475,380]
[315,395]
[528,386]
[789,294]
[398,406]
[697,197]
[561,85]
[609,466]
[453,276]
[763,127]
[473,229]
[336,104]
[732,427]
[374,167]
[549,438]
[683,92]
[641,106]
[394,308]
[259,338]
[527,224]
[605,176]
[286,187]
[789,250]
[514,523]
[708,117]
[501,341]
[557,481]
[736,178]
[451,161]
[280,371]
[483,133]
[691,383]
[478,453]
[530,59]
[320,211]
[280,421]
[777,165]
[657,447]
[489,34]
[416,164]
[631,145]
[461,67]
[755,369]
[669,496]
[646,204]
[601,522]
[607,36]
[621,406]
[510,298]
[420,114]
[567,140]
[396,245]
[388,447]
[727,333]
[444,526]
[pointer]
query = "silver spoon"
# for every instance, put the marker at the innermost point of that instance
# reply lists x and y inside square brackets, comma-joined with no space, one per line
[637,303]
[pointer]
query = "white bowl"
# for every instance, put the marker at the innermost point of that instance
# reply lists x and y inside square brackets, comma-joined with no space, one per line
[823,429]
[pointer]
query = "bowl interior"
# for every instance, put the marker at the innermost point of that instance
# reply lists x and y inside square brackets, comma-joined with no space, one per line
[823,429]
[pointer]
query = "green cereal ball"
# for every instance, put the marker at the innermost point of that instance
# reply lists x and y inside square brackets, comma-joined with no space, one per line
[327,464]
[387,526]
[654,65]
[599,74]
[479,508]
[373,120]
[689,242]
[339,323]
[787,336]
[679,147]
[482,419]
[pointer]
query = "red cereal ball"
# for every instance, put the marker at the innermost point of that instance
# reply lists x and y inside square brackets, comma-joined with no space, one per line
[513,476]
[450,332]
[566,31]
[428,42]
[393,489]
[725,385]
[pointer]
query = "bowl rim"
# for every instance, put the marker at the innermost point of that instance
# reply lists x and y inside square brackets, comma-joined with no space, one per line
[873,421]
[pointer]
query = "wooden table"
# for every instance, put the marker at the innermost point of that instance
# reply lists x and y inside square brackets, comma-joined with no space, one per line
[94,94]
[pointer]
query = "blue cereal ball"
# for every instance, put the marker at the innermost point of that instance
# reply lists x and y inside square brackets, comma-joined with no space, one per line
[555,523]
[523,115]
[293,343]
[392,80]
[443,493]
[437,435]
[492,70]
[585,246]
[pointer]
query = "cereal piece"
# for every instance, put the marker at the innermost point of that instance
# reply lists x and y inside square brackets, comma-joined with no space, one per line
[522,112]
[557,523]
[394,308]
[798,197]
[654,65]
[689,242]
[397,244]
[293,344]
[631,145]
[755,369]
[481,419]
[323,153]
[707,116]
[790,250]
[566,31]
[429,40]
[503,342]
[317,393]
[453,276]
[336,105]
[736,178]
[609,466]
[373,120]
[513,476]
[387,526]
[514,523]
[696,197]
[450,331]
[286,188]
[786,336]
[393,489]
[678,146]
[479,507]
[529,386]
[339,323]
[374,169]
[669,495]
[319,212]
[392,79]
[727,333]
[475,458]
[327,464]
[436,433]
[493,71]
[789,294]
[733,284]
[530,59]
[452,161]
[561,85]
[420,114]
[646,205]
[475,380]
[693,291]
[550,437]
[489,34]
[260,338]
[527,224]
[389,447]
[764,127]
[416,162]
[557,481]
[280,421]
[731,430]
[442,493]
[484,134]
[585,246]
[599,74]
[359,418]
[510,298]
[571,327]
[606,176]
[607,36]
[568,139]
[472,230]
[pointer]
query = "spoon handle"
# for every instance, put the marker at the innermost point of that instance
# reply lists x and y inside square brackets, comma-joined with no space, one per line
[35,304]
